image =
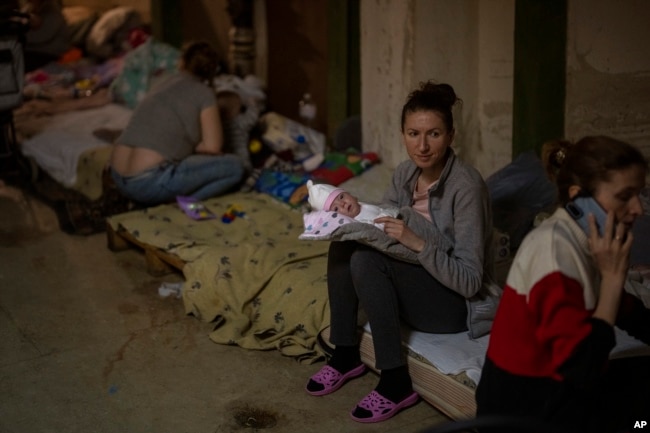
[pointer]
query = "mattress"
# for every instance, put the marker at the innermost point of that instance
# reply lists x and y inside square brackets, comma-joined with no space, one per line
[446,368]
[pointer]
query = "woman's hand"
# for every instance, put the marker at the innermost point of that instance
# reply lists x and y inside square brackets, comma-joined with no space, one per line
[612,255]
[397,229]
[612,250]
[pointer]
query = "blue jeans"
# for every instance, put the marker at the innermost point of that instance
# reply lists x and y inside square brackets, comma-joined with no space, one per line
[197,176]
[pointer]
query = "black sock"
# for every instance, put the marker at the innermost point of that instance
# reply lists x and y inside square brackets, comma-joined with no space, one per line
[395,384]
[345,358]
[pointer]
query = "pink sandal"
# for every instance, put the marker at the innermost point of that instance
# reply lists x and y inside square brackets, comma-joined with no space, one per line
[332,379]
[382,408]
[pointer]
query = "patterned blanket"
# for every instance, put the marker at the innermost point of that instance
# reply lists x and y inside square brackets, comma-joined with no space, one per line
[250,276]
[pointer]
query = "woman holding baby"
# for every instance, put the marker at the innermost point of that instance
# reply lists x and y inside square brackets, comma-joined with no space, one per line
[443,293]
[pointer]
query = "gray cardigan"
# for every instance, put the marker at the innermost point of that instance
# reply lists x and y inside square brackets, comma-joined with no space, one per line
[458,250]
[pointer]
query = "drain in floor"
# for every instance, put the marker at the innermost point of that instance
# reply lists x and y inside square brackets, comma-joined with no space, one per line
[255,418]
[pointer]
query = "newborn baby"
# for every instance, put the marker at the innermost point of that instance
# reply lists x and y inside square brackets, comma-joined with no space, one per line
[324,197]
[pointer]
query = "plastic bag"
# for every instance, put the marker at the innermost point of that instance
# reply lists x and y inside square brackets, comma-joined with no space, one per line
[194,209]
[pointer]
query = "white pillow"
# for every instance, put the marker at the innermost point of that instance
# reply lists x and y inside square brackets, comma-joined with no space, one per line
[111,30]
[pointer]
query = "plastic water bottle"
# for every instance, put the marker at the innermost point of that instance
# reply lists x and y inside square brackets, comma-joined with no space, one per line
[307,109]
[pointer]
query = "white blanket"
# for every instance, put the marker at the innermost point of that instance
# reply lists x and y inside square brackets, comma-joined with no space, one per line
[57,148]
[456,353]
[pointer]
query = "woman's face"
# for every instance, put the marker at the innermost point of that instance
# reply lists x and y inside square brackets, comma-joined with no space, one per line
[620,194]
[346,204]
[426,139]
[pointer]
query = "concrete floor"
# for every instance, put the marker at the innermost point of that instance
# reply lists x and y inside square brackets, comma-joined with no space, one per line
[87,345]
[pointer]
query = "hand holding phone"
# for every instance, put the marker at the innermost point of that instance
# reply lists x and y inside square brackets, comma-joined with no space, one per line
[582,206]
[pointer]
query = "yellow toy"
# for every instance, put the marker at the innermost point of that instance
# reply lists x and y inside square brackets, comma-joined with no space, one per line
[233,211]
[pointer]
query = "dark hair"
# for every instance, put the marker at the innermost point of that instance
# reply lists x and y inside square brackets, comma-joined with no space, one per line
[201,60]
[431,96]
[588,162]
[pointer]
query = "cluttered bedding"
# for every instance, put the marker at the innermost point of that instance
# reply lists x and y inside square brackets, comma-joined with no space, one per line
[76,107]
[245,269]
[72,107]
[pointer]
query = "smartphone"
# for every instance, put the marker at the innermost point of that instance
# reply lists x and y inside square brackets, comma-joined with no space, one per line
[582,206]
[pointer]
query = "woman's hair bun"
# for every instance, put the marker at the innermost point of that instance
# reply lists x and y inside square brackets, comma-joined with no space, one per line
[553,155]
[442,92]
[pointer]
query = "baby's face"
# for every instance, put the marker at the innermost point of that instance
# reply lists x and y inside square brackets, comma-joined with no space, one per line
[346,204]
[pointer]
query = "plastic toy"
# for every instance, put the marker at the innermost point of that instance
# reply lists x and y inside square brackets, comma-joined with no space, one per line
[231,213]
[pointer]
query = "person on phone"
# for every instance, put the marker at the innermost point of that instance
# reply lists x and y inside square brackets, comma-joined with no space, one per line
[548,355]
[441,293]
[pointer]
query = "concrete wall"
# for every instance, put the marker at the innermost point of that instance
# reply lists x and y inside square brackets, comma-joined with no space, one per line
[450,56]
[496,24]
[608,70]
[470,44]
[466,43]
[387,56]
